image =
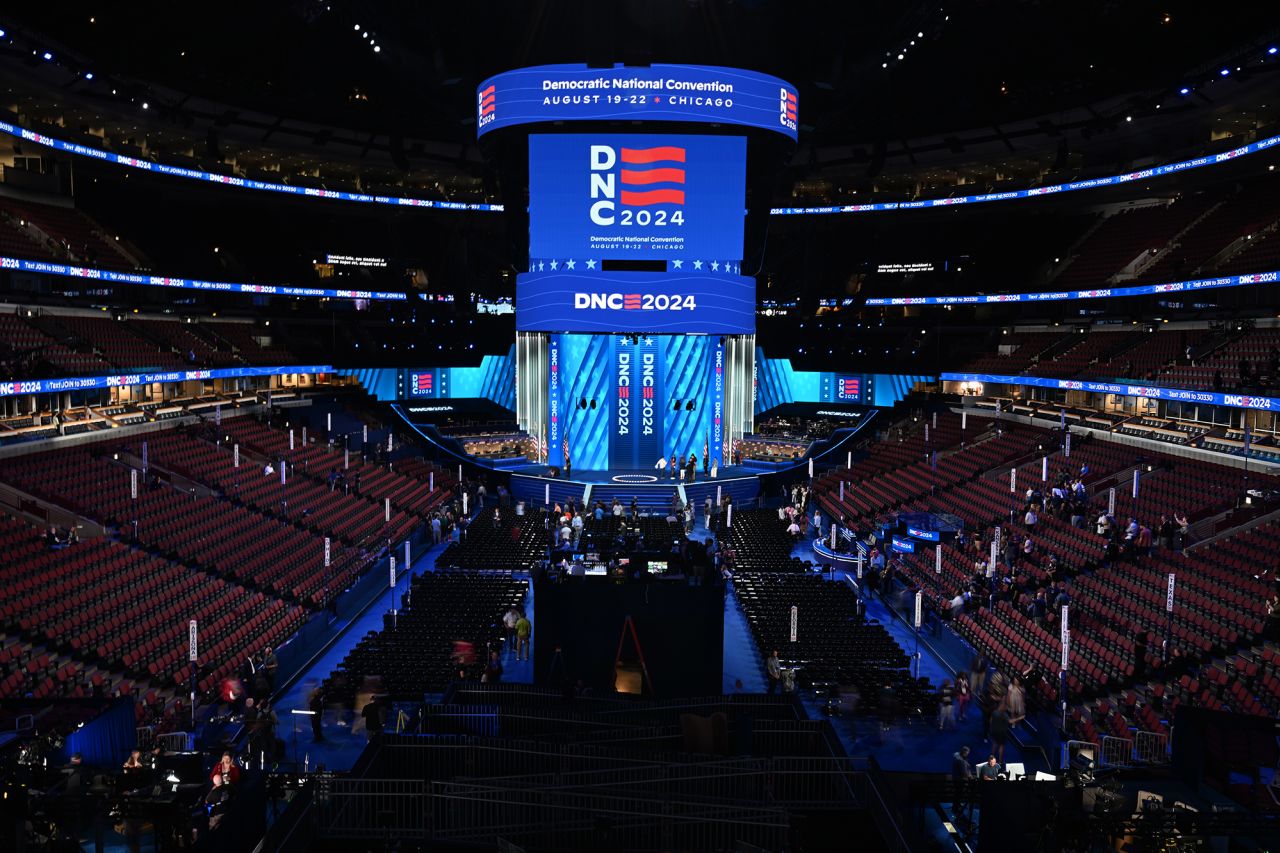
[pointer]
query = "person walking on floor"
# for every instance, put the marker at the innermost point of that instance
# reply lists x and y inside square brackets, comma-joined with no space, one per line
[523,631]
[946,706]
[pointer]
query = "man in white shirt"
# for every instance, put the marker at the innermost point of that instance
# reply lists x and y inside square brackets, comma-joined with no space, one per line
[1031,518]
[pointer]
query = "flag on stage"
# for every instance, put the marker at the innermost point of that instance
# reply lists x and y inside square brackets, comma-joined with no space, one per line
[566,451]
[706,445]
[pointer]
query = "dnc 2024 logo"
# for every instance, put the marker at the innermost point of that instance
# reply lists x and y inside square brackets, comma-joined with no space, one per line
[637,186]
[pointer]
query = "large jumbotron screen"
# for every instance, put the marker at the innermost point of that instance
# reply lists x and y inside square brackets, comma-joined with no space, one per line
[636,197]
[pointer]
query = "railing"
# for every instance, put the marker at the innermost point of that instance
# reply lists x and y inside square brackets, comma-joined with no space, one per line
[1117,752]
[565,820]
[174,741]
[1151,747]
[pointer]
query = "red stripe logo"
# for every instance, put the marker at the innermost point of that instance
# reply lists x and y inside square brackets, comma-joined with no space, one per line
[644,199]
[487,101]
[630,300]
[653,176]
[645,156]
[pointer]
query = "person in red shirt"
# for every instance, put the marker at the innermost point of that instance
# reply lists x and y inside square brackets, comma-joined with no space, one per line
[227,769]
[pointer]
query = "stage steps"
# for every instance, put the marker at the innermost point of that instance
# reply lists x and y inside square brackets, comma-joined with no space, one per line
[649,497]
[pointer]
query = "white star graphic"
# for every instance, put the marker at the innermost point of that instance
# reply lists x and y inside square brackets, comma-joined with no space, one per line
[697,265]
[555,265]
[677,264]
[715,266]
[569,264]
[540,266]
[648,342]
[591,263]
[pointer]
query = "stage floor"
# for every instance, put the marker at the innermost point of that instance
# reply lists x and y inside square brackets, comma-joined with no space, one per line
[639,476]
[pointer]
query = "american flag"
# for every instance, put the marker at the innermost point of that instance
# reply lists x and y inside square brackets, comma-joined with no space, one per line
[706,445]
[566,450]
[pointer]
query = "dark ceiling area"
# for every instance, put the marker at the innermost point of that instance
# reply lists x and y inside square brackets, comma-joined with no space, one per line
[883,69]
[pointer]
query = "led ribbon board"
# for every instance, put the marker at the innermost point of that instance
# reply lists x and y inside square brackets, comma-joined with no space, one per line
[677,93]
[399,201]
[1179,395]
[88,383]
[113,277]
[579,299]
[636,196]
[230,180]
[1104,293]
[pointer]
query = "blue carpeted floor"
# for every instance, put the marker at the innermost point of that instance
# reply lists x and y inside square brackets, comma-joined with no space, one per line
[340,747]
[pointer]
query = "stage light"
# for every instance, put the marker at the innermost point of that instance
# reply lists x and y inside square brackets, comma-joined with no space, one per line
[357,28]
[1224,72]
[1184,91]
[47,56]
[377,49]
[1,34]
[1128,118]
[1270,50]
[145,105]
[88,75]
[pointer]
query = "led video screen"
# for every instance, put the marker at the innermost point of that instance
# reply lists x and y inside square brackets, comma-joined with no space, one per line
[636,197]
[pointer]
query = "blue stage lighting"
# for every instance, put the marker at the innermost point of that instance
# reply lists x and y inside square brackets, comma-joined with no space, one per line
[88,75]
[1224,72]
[1184,91]
[48,56]
[1270,50]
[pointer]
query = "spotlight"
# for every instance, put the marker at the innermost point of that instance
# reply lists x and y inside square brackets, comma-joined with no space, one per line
[1128,118]
[377,49]
[88,75]
[1224,72]
[1270,50]
[47,56]
[357,28]
[145,105]
[1184,91]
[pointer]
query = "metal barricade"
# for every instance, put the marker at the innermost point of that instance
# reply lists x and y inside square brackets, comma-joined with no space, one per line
[1151,747]
[1117,752]
[372,808]
[174,741]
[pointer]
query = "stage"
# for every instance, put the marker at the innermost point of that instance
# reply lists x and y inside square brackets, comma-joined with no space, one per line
[639,476]
[651,489]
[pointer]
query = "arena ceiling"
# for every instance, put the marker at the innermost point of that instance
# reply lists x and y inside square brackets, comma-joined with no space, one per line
[409,67]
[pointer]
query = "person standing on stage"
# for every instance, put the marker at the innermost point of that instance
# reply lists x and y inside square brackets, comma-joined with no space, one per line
[693,467]
[674,466]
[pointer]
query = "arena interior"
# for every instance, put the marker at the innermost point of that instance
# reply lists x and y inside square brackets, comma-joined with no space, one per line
[739,426]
